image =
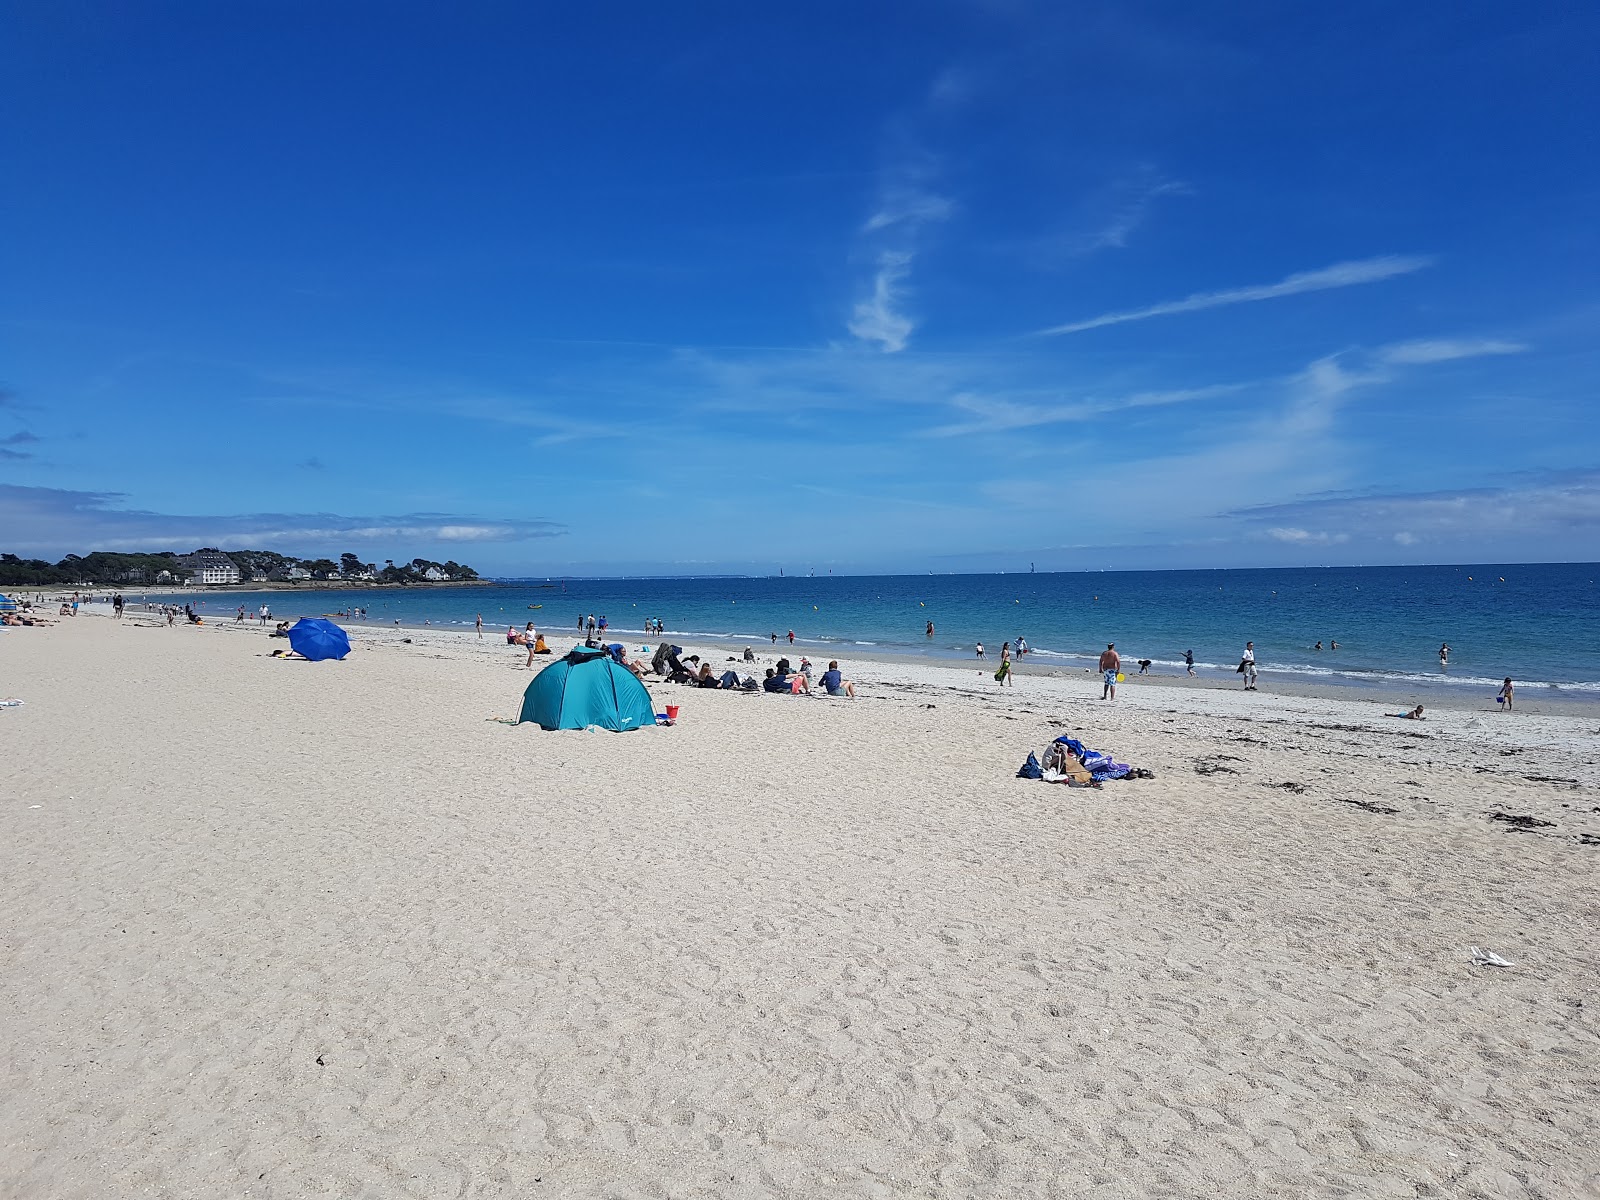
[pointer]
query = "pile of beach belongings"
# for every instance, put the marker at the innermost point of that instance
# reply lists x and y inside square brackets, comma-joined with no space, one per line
[1069,761]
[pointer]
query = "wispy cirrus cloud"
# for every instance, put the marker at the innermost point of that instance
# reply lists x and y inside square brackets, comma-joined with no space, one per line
[891,238]
[1424,352]
[1114,215]
[877,317]
[908,207]
[56,521]
[1340,275]
[998,415]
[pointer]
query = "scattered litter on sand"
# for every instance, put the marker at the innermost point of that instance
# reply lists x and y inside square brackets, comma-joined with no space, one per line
[1488,958]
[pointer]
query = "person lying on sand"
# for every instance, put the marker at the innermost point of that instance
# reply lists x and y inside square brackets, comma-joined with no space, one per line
[1414,715]
[778,683]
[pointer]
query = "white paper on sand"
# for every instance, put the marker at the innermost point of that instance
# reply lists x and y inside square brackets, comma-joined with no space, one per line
[1488,958]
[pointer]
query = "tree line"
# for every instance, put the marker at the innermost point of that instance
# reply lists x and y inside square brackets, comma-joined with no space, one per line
[111,569]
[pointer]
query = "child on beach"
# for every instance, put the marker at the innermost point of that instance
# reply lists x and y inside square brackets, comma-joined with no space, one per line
[1503,696]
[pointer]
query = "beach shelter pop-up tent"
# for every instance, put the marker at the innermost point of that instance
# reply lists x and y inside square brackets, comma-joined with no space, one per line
[587,687]
[316,639]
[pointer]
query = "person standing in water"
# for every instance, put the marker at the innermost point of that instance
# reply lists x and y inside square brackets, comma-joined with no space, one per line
[980,650]
[930,628]
[1110,664]
[1444,655]
[1188,661]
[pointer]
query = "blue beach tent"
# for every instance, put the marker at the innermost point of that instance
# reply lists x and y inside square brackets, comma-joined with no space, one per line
[316,639]
[587,687]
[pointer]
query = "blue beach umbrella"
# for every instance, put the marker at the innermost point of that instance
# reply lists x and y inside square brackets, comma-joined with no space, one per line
[317,639]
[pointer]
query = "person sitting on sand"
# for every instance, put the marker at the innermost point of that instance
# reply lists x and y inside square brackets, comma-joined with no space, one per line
[282,630]
[705,678]
[835,684]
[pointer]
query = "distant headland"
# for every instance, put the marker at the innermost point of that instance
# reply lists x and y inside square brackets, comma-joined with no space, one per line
[213,568]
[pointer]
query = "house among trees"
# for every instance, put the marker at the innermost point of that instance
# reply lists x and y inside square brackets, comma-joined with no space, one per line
[210,567]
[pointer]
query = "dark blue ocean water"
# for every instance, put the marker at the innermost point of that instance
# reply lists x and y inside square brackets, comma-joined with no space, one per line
[1538,623]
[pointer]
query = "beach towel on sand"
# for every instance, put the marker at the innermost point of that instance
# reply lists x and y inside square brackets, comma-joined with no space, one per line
[1098,763]
[1030,769]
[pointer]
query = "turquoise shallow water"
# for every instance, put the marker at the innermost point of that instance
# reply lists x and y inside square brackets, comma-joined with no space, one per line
[1538,623]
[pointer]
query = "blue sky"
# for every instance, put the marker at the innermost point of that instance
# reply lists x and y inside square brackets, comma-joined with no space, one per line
[930,286]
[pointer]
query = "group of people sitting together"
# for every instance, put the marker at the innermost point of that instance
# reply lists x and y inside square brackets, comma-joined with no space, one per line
[785,678]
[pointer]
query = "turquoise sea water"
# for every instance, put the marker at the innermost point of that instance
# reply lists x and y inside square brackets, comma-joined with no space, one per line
[1538,623]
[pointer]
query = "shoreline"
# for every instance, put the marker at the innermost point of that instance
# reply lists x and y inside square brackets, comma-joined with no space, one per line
[1403,690]
[1386,692]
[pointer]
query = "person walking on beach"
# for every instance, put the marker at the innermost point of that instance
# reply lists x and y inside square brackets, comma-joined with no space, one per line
[1503,697]
[479,624]
[980,649]
[1188,661]
[1110,664]
[1003,675]
[1247,666]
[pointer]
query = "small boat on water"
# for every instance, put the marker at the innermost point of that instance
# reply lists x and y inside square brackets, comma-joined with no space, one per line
[535,606]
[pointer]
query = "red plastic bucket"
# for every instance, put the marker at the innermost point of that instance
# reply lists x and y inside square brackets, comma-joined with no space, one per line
[672,712]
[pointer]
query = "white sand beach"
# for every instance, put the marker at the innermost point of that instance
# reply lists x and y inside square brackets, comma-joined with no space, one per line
[286,929]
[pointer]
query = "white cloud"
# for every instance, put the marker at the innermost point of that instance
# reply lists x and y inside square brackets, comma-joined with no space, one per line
[1340,275]
[996,415]
[1559,507]
[876,318]
[908,206]
[1305,537]
[1114,233]
[1440,350]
